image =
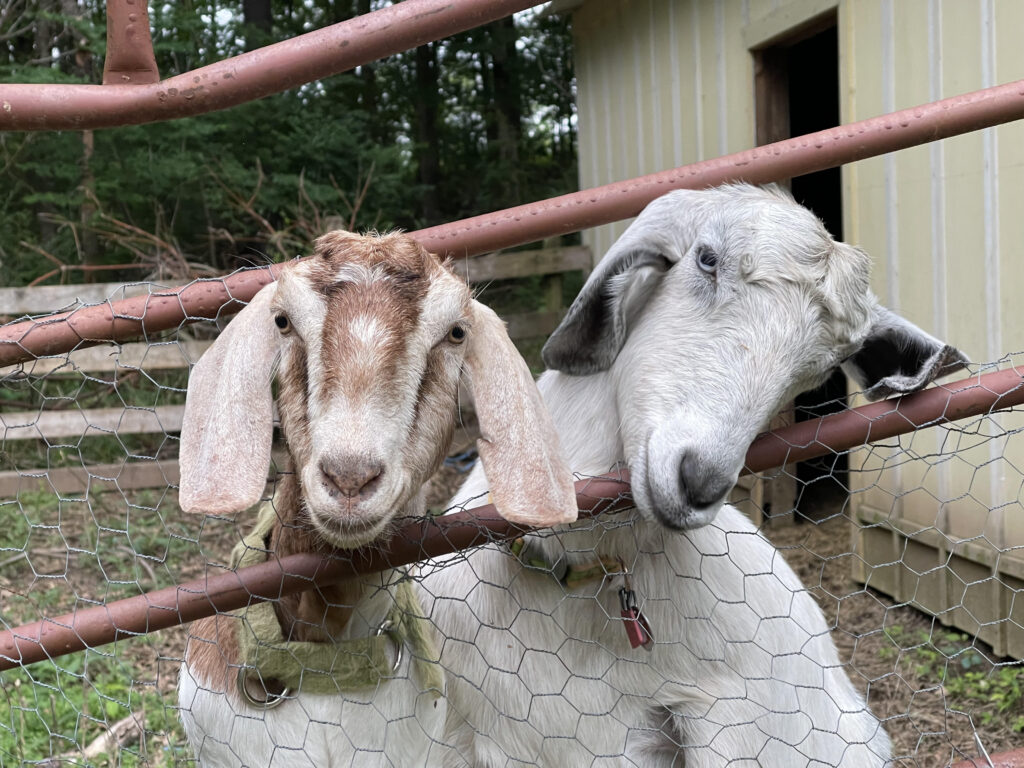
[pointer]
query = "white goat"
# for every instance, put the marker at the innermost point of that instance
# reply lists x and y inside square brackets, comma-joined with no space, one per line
[713,310]
[372,335]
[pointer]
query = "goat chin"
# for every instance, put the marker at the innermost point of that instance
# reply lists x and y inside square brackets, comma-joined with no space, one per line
[743,668]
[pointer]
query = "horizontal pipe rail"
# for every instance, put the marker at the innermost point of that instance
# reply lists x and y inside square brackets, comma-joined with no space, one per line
[435,537]
[129,318]
[1011,759]
[248,76]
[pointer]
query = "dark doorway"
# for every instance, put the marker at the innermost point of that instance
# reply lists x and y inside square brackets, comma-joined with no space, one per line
[797,91]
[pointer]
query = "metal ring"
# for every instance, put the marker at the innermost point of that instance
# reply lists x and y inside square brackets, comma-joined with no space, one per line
[272,700]
[387,627]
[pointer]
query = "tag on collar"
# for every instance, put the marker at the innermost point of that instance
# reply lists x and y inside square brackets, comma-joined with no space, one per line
[638,630]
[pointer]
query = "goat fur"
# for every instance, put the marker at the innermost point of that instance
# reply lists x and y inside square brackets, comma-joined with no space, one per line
[670,362]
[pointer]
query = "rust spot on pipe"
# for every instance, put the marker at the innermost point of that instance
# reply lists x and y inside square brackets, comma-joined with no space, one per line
[1014,759]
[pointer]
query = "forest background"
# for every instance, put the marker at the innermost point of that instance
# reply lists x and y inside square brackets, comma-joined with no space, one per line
[474,123]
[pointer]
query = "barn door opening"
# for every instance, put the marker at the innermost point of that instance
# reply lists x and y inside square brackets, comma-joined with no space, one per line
[797,92]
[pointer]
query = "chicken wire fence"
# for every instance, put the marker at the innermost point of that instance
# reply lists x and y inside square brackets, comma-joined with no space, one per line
[913,548]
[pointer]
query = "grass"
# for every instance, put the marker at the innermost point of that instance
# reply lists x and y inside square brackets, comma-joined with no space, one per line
[60,554]
[990,691]
[57,708]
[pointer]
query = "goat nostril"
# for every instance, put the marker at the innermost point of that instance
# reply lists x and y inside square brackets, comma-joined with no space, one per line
[699,483]
[351,477]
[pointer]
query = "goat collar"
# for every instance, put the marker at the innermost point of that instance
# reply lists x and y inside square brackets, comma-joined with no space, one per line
[571,575]
[284,666]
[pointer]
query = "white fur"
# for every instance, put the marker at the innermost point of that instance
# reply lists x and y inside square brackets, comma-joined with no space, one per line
[688,364]
[394,724]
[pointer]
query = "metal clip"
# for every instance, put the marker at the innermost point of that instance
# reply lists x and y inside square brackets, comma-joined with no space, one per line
[387,627]
[638,630]
[272,700]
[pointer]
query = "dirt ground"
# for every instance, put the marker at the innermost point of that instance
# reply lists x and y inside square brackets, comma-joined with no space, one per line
[927,726]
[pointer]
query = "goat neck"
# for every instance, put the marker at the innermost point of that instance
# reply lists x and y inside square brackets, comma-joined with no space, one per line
[325,614]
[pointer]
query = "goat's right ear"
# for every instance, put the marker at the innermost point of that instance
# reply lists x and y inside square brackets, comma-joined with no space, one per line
[228,423]
[594,329]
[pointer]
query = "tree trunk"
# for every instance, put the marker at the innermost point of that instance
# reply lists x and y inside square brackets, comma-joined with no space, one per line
[44,32]
[370,96]
[81,66]
[427,151]
[506,110]
[258,22]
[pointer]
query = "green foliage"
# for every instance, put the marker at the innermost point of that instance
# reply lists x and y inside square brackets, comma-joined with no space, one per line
[257,182]
[59,707]
[971,682]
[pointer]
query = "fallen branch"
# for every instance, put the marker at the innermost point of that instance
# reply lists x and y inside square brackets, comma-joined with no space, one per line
[121,734]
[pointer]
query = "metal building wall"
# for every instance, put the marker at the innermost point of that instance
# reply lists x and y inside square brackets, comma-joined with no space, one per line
[945,224]
[667,82]
[660,84]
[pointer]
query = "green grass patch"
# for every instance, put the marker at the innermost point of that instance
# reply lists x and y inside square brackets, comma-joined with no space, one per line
[987,690]
[58,708]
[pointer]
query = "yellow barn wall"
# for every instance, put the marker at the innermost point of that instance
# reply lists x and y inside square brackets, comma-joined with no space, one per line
[943,223]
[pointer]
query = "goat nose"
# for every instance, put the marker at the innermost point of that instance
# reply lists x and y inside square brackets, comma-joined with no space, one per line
[700,484]
[351,476]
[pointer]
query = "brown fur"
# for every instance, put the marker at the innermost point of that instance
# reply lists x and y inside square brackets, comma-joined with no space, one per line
[321,615]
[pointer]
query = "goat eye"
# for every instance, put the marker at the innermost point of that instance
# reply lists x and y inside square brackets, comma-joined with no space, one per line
[281,321]
[707,260]
[457,334]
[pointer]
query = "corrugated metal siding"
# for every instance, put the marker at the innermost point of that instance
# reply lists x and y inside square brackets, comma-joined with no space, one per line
[944,226]
[667,82]
[661,84]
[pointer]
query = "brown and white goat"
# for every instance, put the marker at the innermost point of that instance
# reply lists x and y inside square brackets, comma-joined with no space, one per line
[370,338]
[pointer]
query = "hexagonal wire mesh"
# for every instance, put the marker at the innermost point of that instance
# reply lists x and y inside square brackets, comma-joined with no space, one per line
[910,547]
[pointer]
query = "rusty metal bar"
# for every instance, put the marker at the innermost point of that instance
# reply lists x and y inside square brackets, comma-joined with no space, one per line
[527,223]
[1011,759]
[130,59]
[435,537]
[249,76]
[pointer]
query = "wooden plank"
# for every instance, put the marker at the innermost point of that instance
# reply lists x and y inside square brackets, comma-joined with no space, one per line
[53,425]
[533,324]
[508,266]
[148,357]
[44,299]
[77,480]
[98,478]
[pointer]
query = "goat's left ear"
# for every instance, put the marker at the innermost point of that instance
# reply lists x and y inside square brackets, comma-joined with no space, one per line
[529,480]
[897,357]
[591,335]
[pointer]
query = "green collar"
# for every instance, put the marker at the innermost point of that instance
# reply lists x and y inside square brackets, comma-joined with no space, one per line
[336,667]
[571,575]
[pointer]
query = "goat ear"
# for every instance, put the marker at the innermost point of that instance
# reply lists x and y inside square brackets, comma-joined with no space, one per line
[592,333]
[228,423]
[530,482]
[897,357]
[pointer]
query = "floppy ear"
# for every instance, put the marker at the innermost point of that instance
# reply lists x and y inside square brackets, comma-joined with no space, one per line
[530,482]
[897,357]
[592,333]
[228,422]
